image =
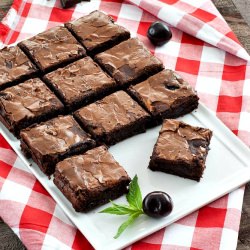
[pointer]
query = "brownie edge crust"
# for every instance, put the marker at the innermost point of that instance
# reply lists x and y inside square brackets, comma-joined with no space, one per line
[181,150]
[91,179]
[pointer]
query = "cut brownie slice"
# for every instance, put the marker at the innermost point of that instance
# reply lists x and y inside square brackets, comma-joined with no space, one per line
[113,118]
[181,150]
[15,67]
[91,179]
[165,95]
[52,141]
[80,83]
[97,31]
[27,103]
[52,48]
[129,62]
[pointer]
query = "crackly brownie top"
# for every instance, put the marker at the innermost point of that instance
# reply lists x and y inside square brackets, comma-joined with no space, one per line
[14,64]
[95,169]
[163,91]
[28,99]
[54,136]
[79,79]
[180,141]
[96,29]
[110,113]
[53,46]
[128,60]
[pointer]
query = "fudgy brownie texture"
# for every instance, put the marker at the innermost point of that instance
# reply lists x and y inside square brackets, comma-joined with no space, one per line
[165,95]
[97,31]
[52,48]
[80,83]
[50,142]
[181,150]
[15,67]
[27,103]
[69,3]
[91,179]
[113,118]
[129,62]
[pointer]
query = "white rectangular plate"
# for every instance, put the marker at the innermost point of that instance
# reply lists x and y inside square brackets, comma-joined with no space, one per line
[227,168]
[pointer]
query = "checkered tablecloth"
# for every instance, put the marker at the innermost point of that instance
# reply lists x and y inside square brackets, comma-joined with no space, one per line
[208,55]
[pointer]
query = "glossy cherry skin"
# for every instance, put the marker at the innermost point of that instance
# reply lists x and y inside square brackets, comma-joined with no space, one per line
[157,204]
[159,33]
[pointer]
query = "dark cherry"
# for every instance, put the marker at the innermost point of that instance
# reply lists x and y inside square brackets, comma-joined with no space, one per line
[159,33]
[157,204]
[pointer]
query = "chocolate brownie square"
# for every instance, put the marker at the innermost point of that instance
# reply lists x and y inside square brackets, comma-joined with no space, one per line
[15,67]
[50,142]
[52,48]
[165,95]
[80,83]
[181,150]
[97,31]
[113,118]
[91,179]
[27,103]
[129,62]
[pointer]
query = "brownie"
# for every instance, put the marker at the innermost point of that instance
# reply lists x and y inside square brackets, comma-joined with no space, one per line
[52,48]
[80,83]
[91,179]
[70,3]
[129,62]
[50,142]
[165,95]
[113,118]
[181,150]
[97,31]
[27,103]
[15,67]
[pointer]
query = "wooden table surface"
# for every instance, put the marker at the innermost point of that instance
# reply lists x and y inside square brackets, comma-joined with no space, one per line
[236,13]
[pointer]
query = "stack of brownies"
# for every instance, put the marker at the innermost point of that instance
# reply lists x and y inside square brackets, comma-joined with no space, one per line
[71,91]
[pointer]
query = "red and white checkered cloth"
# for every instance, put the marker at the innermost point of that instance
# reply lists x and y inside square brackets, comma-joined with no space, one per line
[222,80]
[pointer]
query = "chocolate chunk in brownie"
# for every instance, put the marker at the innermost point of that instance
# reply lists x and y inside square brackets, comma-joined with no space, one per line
[52,48]
[80,83]
[15,67]
[113,118]
[27,103]
[165,95]
[129,62]
[91,179]
[97,31]
[181,150]
[50,142]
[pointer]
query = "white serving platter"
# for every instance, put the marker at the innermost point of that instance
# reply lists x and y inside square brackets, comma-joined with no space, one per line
[228,167]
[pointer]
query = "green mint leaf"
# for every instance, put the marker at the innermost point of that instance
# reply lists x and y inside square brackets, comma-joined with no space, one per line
[134,197]
[133,210]
[118,209]
[125,224]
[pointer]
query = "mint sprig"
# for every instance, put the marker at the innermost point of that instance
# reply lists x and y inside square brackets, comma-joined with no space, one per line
[133,209]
